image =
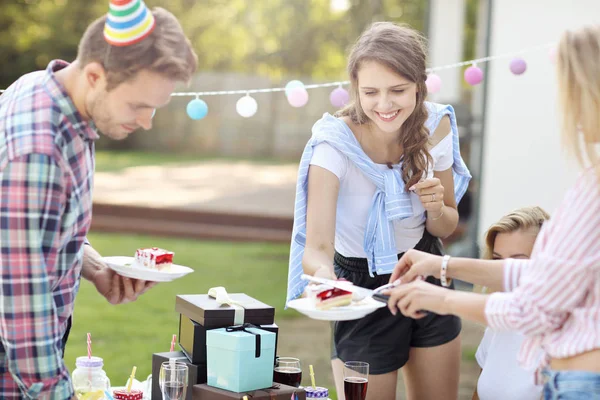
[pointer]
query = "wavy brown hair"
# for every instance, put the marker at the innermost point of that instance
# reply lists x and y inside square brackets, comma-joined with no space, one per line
[403,50]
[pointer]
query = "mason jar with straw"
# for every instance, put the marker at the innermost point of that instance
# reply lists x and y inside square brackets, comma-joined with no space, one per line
[89,379]
[314,391]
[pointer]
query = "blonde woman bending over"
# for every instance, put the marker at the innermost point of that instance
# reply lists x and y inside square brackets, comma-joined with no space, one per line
[513,236]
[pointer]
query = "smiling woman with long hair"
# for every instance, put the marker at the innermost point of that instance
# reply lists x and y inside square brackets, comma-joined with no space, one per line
[382,176]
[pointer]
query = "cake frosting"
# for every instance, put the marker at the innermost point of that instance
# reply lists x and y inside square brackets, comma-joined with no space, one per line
[325,297]
[154,258]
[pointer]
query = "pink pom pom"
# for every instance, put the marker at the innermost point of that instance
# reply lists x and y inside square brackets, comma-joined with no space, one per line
[339,97]
[518,66]
[473,75]
[298,97]
[434,83]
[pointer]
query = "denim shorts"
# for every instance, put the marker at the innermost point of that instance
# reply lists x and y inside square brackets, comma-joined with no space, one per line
[571,385]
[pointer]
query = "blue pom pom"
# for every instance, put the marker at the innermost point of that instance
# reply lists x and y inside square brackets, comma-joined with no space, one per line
[197,109]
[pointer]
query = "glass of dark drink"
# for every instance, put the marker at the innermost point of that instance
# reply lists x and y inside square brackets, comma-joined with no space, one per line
[356,378]
[287,371]
[173,380]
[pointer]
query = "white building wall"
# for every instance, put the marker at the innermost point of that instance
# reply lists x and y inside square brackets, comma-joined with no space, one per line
[523,163]
[445,39]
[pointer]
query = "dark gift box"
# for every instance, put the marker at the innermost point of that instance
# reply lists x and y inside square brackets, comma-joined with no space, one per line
[192,338]
[197,373]
[276,392]
[207,312]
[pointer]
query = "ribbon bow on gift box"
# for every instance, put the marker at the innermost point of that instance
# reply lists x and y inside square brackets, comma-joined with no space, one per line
[242,328]
[222,297]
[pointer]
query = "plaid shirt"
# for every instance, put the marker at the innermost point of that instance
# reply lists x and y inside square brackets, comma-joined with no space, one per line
[46,177]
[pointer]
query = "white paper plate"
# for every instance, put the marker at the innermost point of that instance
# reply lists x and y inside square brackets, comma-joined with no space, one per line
[346,313]
[125,266]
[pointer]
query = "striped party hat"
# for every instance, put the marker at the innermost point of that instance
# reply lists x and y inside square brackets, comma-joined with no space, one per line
[127,22]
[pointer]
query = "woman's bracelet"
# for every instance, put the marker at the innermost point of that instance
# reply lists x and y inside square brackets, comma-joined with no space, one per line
[443,270]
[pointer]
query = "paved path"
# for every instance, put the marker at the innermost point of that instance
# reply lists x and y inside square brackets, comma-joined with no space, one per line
[237,187]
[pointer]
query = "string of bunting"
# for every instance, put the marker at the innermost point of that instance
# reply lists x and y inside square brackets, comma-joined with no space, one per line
[297,92]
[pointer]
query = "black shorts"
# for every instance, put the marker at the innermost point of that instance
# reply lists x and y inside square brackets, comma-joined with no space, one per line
[382,339]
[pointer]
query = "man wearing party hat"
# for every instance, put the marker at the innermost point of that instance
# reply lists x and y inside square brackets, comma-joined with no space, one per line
[128,64]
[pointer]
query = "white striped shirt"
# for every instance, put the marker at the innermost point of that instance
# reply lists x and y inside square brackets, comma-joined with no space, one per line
[391,201]
[555,295]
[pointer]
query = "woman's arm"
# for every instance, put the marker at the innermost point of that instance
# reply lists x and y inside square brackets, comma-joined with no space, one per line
[323,190]
[443,222]
[498,275]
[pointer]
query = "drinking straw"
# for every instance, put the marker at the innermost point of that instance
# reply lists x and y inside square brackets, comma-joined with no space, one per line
[173,342]
[89,344]
[131,379]
[312,376]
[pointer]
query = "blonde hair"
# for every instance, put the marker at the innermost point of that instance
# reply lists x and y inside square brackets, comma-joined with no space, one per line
[578,67]
[166,51]
[526,218]
[403,50]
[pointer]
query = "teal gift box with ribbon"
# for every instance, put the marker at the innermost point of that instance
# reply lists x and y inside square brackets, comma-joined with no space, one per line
[240,358]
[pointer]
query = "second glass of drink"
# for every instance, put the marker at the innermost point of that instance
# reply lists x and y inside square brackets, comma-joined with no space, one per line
[356,379]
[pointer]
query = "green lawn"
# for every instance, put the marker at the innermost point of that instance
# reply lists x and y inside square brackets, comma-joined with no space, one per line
[128,335]
[112,161]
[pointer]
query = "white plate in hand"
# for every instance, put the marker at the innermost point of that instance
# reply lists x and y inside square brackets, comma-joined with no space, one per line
[345,313]
[126,266]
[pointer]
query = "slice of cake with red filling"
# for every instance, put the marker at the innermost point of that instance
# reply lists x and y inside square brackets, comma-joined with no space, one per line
[326,297]
[154,258]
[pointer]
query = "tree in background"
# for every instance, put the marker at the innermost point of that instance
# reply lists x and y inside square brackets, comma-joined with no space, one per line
[273,38]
